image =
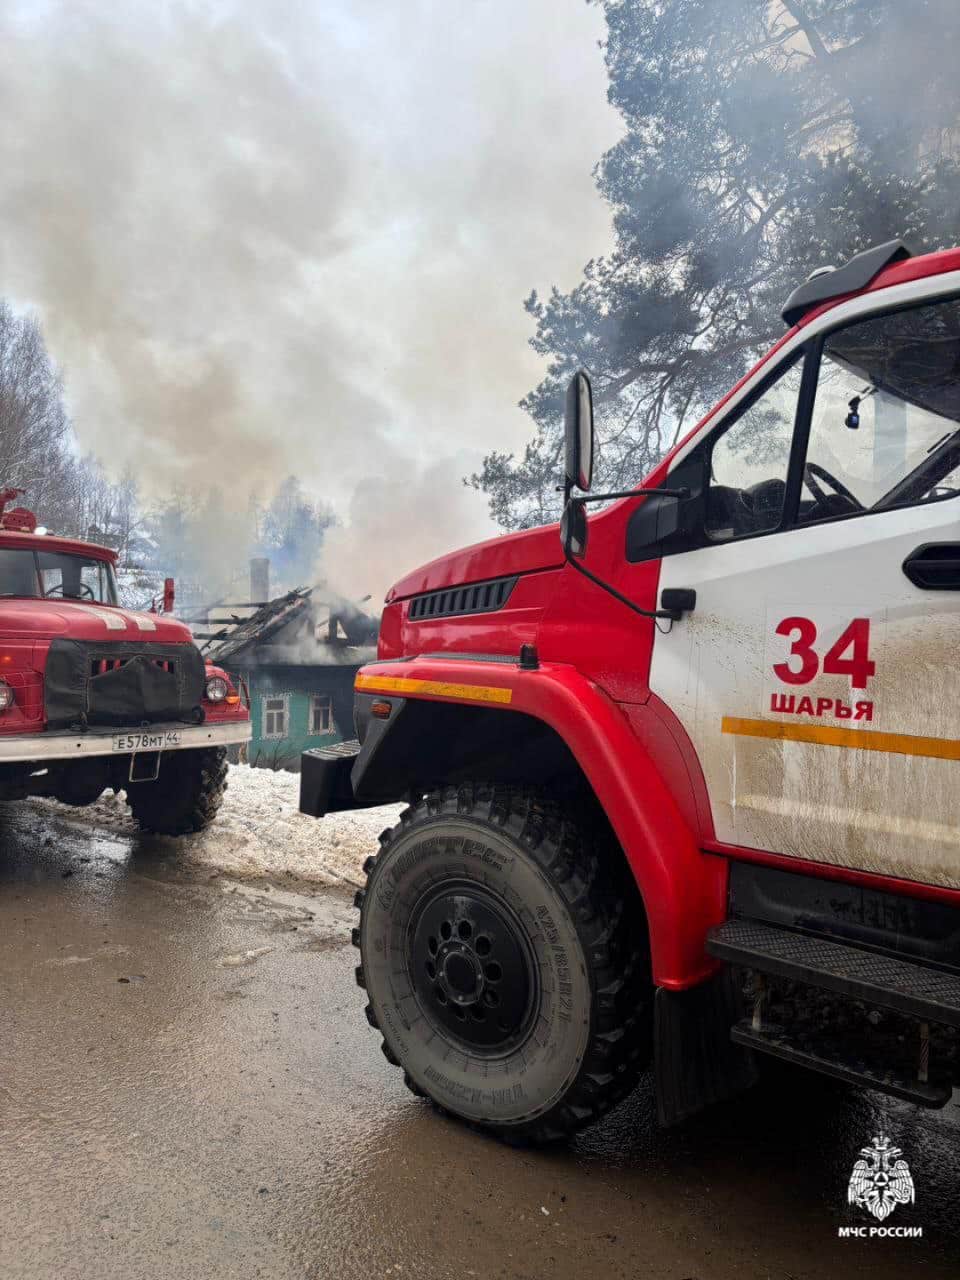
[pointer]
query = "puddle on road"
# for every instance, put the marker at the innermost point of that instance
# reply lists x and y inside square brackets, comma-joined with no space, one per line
[39,845]
[243,1054]
[245,957]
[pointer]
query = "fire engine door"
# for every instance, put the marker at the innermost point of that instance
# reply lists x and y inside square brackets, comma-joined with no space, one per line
[816,675]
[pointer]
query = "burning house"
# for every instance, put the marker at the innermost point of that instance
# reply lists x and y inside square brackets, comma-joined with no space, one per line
[297,655]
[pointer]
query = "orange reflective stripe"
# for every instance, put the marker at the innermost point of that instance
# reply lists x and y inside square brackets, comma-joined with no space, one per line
[824,735]
[441,688]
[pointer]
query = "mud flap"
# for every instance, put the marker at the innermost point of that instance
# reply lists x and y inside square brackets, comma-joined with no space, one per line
[695,1061]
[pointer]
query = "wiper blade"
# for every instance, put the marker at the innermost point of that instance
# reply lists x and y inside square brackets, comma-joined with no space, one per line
[937,443]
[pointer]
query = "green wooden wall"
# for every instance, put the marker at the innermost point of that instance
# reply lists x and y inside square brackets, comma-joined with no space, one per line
[297,687]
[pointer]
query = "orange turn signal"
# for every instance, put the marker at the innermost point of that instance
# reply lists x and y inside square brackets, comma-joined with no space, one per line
[381,710]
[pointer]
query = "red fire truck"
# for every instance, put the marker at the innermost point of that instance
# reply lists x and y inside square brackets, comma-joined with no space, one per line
[94,696]
[702,745]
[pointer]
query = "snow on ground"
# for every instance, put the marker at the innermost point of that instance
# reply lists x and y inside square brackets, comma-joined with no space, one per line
[258,831]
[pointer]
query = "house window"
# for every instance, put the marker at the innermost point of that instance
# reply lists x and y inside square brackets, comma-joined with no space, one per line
[321,714]
[275,712]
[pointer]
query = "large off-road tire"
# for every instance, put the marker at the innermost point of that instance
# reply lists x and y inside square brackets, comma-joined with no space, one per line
[185,796]
[81,783]
[506,962]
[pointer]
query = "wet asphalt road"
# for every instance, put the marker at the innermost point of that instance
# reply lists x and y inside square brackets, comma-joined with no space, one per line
[188,1088]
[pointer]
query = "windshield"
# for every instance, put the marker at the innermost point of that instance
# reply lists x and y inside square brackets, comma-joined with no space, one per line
[56,575]
[885,420]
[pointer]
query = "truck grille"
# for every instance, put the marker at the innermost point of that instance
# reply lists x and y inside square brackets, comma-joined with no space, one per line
[100,665]
[478,597]
[122,683]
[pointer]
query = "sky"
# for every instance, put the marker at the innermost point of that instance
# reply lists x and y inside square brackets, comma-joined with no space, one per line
[295,238]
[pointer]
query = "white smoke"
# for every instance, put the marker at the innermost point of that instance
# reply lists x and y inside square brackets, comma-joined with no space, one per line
[397,522]
[267,240]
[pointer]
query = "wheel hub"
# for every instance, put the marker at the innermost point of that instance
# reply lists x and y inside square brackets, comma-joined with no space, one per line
[459,973]
[472,967]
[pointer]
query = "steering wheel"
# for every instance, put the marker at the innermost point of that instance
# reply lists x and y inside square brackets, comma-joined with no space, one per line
[813,472]
[85,591]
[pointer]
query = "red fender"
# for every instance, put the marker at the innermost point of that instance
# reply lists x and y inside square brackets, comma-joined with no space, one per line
[683,888]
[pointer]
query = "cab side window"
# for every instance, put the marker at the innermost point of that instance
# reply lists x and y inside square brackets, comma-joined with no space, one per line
[748,461]
[879,428]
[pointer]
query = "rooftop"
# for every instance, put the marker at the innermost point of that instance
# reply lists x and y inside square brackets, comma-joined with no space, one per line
[301,628]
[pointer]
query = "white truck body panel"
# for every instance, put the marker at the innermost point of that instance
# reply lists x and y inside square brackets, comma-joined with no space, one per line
[865,777]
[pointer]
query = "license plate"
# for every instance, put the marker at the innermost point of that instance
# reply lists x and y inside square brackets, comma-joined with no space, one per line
[130,742]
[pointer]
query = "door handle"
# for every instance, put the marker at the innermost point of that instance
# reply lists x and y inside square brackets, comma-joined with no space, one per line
[935,566]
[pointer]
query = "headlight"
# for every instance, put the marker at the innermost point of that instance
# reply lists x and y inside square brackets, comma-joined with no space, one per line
[6,696]
[217,689]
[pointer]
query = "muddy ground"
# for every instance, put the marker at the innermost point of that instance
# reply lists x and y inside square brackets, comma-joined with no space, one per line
[188,1088]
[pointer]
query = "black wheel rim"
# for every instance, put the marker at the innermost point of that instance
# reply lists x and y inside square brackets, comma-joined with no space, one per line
[472,968]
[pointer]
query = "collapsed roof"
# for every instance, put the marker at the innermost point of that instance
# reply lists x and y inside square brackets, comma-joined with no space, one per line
[299,629]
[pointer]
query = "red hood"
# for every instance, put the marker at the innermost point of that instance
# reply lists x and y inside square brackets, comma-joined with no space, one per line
[523,552]
[44,619]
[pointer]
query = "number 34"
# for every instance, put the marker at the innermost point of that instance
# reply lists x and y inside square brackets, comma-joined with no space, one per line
[849,656]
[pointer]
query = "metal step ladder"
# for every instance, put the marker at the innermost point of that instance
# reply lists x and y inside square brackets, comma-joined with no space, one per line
[913,990]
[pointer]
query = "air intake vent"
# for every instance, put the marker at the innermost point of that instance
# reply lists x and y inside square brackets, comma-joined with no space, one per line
[478,597]
[98,666]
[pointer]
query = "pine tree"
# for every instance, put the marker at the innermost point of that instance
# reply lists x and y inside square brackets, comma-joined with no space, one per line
[763,138]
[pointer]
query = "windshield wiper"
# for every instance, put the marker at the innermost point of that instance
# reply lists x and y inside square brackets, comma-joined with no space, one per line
[937,443]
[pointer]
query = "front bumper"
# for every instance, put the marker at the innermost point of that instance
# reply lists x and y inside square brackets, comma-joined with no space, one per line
[325,782]
[69,746]
[336,778]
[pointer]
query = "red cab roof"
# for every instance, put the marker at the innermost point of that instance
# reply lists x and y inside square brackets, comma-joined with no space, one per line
[928,264]
[51,542]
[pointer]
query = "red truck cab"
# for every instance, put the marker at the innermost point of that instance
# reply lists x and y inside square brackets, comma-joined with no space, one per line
[682,774]
[94,695]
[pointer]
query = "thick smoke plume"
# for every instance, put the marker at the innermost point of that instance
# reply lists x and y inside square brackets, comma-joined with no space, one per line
[268,240]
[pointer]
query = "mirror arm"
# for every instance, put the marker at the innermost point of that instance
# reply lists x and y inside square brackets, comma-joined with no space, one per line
[671,614]
[681,494]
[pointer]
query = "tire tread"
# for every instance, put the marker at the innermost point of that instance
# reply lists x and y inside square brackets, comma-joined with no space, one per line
[612,935]
[186,796]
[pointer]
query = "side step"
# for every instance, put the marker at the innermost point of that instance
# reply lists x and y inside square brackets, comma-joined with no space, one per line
[931,995]
[775,1040]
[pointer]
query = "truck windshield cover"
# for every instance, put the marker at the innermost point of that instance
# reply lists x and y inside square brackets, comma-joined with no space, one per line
[56,575]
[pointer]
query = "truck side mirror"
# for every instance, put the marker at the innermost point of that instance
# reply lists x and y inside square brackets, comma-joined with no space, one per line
[573,530]
[667,515]
[659,519]
[578,434]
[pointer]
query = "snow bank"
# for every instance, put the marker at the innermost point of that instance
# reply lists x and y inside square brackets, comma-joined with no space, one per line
[258,832]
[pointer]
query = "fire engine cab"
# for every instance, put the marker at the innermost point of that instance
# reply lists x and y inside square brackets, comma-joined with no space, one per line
[683,775]
[94,696]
